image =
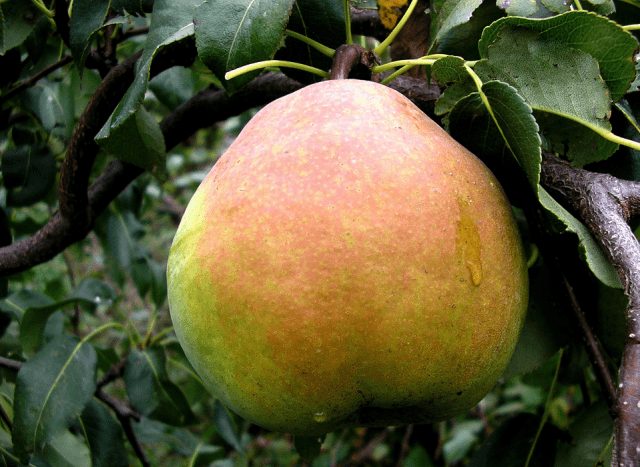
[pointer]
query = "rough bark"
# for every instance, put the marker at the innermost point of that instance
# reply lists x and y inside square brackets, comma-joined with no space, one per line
[605,204]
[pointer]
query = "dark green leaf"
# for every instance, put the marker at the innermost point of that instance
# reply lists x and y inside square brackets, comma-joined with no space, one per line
[44,101]
[67,450]
[180,440]
[610,323]
[573,140]
[150,390]
[173,87]
[525,8]
[104,435]
[29,173]
[171,21]
[137,140]
[149,275]
[463,39]
[204,454]
[18,302]
[225,426]
[554,79]
[612,47]
[511,151]
[446,15]
[52,388]
[17,20]
[557,6]
[122,232]
[106,358]
[589,249]
[32,328]
[418,457]
[320,20]
[509,445]
[233,33]
[37,40]
[518,127]
[544,331]
[134,7]
[308,447]
[87,17]
[590,434]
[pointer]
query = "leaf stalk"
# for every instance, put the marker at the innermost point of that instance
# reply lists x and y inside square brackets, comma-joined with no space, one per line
[323,49]
[274,63]
[387,42]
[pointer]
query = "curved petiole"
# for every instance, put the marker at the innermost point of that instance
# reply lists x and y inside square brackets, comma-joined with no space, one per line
[274,63]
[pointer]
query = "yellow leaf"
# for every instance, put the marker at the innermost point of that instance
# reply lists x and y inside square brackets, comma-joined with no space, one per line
[389,11]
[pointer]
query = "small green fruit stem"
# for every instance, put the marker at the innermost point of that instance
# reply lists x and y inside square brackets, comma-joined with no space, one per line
[387,42]
[47,13]
[406,66]
[631,27]
[323,49]
[40,6]
[160,336]
[274,63]
[347,21]
[104,327]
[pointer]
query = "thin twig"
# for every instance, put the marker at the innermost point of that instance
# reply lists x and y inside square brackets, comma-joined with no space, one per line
[9,364]
[125,415]
[32,80]
[366,451]
[404,447]
[114,372]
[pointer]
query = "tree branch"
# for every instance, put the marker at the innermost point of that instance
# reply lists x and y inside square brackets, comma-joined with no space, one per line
[32,80]
[605,204]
